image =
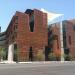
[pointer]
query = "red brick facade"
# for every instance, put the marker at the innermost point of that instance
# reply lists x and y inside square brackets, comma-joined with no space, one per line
[70,36]
[54,39]
[19,33]
[34,40]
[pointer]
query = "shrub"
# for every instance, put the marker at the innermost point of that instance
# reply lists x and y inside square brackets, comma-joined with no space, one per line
[68,57]
[52,56]
[39,55]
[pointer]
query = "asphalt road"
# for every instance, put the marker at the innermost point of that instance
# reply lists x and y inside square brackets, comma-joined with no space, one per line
[38,69]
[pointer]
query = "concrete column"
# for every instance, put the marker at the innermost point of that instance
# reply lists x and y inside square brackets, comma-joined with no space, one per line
[10,53]
[61,40]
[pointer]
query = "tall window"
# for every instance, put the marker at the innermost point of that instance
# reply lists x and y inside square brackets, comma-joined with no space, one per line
[15,28]
[16,20]
[15,52]
[30,54]
[31,24]
[70,40]
[57,42]
[74,27]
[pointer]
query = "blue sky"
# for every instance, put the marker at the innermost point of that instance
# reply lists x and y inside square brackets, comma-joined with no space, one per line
[9,7]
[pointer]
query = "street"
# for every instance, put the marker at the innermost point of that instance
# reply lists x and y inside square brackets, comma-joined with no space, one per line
[38,69]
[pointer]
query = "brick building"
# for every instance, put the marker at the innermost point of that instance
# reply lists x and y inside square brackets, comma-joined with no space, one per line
[27,36]
[68,38]
[54,39]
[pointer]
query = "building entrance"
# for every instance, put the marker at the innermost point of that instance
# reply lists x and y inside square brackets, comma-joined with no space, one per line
[30,54]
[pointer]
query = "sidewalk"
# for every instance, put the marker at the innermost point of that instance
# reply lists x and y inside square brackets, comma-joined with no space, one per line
[36,62]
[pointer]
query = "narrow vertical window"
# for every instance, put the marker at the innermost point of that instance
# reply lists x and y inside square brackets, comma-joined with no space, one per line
[57,43]
[30,54]
[31,24]
[74,27]
[70,40]
[0,29]
[16,20]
